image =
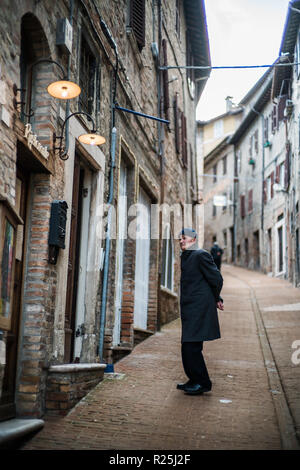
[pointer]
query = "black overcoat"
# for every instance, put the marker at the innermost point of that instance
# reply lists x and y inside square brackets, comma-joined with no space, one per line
[200,286]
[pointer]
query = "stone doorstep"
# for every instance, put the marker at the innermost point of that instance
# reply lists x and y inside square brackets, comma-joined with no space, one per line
[65,368]
[13,429]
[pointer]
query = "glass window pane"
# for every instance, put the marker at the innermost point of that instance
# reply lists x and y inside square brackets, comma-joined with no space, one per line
[6,270]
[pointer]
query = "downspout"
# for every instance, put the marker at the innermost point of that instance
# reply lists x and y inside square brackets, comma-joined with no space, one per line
[110,196]
[262,215]
[67,140]
[287,202]
[160,152]
[235,192]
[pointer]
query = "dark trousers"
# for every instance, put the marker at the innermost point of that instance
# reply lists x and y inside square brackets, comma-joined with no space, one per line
[218,263]
[194,364]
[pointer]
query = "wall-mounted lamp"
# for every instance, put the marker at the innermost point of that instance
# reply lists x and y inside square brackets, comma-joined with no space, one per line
[91,138]
[62,89]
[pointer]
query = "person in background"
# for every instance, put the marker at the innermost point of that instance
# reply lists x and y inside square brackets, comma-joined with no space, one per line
[200,286]
[216,252]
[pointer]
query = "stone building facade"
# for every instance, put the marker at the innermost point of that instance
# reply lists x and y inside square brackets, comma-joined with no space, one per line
[216,158]
[266,146]
[77,292]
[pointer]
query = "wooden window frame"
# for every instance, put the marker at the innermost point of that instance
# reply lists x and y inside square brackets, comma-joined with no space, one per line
[7,212]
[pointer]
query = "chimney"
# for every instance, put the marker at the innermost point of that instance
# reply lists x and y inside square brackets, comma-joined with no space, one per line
[229,103]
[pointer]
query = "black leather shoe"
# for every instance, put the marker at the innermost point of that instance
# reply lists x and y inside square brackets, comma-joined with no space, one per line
[196,389]
[182,386]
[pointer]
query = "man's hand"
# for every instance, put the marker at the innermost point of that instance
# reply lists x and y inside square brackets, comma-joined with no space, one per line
[220,305]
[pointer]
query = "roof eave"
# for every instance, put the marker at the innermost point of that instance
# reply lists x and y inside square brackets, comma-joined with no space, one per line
[196,23]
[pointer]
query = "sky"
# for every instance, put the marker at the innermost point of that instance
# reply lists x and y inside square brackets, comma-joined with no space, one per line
[240,32]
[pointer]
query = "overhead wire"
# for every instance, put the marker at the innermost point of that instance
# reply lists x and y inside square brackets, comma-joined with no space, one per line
[208,67]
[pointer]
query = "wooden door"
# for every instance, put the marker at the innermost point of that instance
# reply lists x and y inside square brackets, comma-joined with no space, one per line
[7,402]
[82,260]
[73,264]
[142,262]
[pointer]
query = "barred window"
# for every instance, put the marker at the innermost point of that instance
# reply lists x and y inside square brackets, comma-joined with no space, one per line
[87,78]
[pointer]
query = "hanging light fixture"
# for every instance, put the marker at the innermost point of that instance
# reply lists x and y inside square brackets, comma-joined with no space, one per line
[91,138]
[63,89]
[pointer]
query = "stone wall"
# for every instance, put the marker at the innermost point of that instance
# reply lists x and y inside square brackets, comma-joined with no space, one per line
[156,162]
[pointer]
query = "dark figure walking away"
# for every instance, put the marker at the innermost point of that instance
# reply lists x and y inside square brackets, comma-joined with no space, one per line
[200,286]
[216,252]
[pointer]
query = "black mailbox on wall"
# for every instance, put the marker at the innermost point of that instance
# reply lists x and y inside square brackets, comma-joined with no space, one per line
[57,230]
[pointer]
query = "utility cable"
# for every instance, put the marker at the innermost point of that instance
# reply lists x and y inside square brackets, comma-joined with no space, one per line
[208,67]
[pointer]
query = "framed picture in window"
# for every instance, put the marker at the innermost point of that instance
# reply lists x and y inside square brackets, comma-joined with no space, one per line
[8,225]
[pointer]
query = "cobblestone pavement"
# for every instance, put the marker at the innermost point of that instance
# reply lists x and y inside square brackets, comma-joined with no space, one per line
[254,403]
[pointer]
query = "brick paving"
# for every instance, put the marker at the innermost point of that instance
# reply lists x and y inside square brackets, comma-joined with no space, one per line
[140,407]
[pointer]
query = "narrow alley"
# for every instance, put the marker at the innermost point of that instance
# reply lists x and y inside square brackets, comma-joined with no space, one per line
[255,369]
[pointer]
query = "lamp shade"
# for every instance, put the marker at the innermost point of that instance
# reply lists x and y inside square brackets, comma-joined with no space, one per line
[64,89]
[91,139]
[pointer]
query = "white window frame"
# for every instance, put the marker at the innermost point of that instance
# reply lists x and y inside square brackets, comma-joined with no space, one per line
[169,251]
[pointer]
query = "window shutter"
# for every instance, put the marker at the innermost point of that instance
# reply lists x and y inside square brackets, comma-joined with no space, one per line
[274,118]
[165,80]
[242,203]
[287,167]
[256,141]
[184,139]
[250,200]
[281,107]
[265,192]
[137,21]
[177,124]
[266,129]
[277,177]
[250,146]
[272,183]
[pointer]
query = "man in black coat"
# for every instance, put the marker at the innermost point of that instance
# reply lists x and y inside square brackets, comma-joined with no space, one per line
[216,252]
[200,286]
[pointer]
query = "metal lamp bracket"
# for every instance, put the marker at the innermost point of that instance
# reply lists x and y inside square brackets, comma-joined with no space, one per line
[16,103]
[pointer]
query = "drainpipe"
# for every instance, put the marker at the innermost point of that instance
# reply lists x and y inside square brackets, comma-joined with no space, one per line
[287,203]
[107,247]
[68,78]
[235,192]
[262,177]
[110,196]
[160,151]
